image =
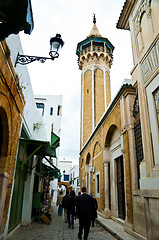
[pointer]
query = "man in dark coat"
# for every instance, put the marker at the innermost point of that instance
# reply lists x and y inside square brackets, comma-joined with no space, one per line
[64,205]
[84,213]
[71,209]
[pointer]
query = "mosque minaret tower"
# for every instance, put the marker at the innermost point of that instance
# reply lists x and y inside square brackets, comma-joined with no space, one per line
[95,57]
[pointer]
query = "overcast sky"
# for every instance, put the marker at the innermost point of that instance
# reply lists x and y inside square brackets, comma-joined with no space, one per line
[73,19]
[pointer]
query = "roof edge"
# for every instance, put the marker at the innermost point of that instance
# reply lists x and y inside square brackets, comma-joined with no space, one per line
[124,15]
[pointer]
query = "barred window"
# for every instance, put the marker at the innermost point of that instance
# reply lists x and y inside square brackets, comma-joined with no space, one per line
[138,146]
[156,99]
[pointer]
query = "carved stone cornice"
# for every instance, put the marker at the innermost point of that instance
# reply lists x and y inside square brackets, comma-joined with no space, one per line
[123,22]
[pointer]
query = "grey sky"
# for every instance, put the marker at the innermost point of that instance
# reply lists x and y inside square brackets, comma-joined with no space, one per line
[73,19]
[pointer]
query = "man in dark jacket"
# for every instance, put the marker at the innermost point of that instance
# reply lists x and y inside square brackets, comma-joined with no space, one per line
[71,209]
[64,205]
[84,213]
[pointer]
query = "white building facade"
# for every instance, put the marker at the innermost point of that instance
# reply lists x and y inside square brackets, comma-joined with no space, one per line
[50,109]
[74,179]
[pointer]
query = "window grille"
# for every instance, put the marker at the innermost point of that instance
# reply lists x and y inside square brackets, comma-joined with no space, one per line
[156,99]
[138,136]
[138,146]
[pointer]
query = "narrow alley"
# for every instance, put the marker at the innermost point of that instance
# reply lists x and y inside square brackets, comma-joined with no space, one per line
[57,230]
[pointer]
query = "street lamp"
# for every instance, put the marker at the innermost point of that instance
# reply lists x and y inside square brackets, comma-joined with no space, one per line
[55,44]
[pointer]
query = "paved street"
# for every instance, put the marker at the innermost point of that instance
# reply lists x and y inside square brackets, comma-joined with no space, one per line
[57,230]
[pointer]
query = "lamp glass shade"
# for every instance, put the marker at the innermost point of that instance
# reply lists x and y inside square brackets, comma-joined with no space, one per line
[56,43]
[55,46]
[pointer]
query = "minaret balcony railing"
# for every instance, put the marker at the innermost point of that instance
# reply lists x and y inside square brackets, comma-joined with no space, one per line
[96,49]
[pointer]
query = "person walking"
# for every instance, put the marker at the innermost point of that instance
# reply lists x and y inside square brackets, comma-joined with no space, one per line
[84,213]
[95,207]
[79,194]
[59,203]
[64,205]
[71,209]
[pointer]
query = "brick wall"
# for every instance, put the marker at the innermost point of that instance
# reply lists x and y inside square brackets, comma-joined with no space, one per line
[108,93]
[87,106]
[99,95]
[96,147]
[11,110]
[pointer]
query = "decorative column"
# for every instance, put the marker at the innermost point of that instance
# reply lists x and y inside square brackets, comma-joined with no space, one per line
[106,159]
[90,181]
[86,180]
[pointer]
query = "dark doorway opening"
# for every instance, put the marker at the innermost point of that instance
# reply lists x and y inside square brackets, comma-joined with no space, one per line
[120,187]
[109,186]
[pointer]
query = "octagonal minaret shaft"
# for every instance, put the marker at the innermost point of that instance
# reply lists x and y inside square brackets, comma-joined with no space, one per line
[95,57]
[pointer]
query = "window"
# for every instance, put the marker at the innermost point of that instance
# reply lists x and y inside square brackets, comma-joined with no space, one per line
[156,99]
[138,146]
[98,185]
[83,182]
[77,182]
[66,177]
[41,107]
[152,91]
[59,110]
[138,136]
[51,111]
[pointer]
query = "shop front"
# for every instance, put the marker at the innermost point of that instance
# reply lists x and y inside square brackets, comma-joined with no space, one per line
[33,172]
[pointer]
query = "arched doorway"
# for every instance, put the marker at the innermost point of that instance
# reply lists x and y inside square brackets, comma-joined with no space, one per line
[116,197]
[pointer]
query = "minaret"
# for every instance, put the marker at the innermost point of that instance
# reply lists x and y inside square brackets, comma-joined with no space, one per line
[95,56]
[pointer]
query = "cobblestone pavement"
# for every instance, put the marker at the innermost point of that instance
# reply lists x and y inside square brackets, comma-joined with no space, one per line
[57,230]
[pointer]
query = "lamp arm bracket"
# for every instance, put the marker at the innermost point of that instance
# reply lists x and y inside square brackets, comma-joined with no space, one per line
[25,59]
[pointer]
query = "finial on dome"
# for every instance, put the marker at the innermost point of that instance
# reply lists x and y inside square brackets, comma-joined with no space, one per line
[94,18]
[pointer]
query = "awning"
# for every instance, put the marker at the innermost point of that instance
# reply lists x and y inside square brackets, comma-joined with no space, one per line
[34,147]
[48,171]
[55,140]
[15,16]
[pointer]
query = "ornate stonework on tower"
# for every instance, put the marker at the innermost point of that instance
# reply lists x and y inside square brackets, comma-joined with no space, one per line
[95,56]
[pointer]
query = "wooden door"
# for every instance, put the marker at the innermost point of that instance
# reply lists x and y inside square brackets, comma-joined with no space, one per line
[120,187]
[17,199]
